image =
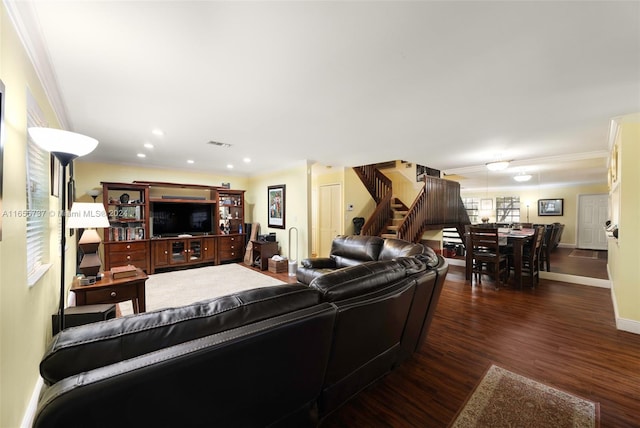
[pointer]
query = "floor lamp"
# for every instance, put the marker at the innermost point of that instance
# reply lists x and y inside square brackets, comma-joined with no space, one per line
[65,146]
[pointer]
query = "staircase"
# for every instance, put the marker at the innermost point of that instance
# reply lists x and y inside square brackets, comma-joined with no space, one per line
[437,206]
[398,213]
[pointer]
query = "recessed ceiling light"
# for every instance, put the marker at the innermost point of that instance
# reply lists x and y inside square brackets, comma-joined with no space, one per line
[157,132]
[190,161]
[246,160]
[148,145]
[229,166]
[142,155]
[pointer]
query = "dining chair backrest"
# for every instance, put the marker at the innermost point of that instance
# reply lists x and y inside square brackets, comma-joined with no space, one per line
[484,239]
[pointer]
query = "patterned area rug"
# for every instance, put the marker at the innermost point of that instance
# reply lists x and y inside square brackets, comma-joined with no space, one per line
[505,399]
[585,254]
[182,287]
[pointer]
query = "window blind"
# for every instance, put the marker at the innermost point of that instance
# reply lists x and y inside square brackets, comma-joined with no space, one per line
[37,206]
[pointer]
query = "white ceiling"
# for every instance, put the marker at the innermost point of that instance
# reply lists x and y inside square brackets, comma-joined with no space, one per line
[449,85]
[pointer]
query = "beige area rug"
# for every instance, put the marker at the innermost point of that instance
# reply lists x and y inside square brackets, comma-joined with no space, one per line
[183,287]
[505,399]
[584,254]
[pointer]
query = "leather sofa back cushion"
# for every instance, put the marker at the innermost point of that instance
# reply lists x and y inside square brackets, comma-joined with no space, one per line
[78,349]
[348,250]
[358,280]
[393,248]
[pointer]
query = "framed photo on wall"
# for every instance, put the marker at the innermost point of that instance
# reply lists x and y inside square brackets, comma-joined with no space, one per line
[276,200]
[550,207]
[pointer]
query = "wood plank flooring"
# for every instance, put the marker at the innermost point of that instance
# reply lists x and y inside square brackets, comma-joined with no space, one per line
[560,334]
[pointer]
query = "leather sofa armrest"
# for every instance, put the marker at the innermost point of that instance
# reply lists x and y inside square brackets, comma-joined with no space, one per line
[319,263]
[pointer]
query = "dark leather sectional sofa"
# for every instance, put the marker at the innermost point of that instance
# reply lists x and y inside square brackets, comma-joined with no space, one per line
[278,356]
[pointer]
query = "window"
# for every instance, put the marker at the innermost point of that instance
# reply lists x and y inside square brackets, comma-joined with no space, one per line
[472,205]
[37,200]
[508,209]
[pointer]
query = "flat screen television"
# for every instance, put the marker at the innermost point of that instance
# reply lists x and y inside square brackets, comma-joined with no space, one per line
[176,218]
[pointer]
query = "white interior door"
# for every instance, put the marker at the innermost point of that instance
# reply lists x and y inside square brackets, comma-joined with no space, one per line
[592,215]
[329,217]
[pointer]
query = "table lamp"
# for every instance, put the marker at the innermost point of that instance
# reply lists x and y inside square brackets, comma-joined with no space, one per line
[65,146]
[88,215]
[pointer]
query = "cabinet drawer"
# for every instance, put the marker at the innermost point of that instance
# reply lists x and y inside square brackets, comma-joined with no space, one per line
[133,258]
[111,294]
[229,254]
[127,247]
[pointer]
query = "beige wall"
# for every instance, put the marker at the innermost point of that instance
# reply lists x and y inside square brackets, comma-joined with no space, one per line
[624,257]
[25,312]
[531,196]
[297,207]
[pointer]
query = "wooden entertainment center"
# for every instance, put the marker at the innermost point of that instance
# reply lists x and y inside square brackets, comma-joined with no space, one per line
[157,225]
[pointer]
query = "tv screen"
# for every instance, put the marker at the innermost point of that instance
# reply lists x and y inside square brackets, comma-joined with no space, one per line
[175,218]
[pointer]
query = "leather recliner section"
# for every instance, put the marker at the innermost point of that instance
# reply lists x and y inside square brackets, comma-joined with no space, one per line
[103,343]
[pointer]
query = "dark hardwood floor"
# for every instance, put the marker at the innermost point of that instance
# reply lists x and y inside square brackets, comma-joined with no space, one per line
[560,334]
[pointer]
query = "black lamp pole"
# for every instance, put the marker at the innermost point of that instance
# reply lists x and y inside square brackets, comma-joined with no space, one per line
[65,159]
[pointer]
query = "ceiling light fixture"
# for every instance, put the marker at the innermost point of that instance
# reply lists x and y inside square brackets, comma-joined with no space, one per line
[190,161]
[148,145]
[158,132]
[497,166]
[141,155]
[522,177]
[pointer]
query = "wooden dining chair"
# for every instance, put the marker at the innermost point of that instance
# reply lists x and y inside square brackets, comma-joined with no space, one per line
[486,256]
[545,252]
[531,257]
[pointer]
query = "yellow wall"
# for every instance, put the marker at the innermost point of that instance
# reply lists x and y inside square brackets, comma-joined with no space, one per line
[25,312]
[89,175]
[531,196]
[297,207]
[624,258]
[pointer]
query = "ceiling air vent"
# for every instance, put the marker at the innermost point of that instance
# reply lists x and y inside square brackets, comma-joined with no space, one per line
[219,144]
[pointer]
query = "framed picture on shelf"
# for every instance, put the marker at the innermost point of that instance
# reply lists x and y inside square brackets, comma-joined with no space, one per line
[550,207]
[276,200]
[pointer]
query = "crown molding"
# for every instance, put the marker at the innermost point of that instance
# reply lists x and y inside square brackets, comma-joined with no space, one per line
[524,162]
[25,20]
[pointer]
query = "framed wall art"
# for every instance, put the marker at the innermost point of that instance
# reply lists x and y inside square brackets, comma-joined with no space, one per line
[550,207]
[276,199]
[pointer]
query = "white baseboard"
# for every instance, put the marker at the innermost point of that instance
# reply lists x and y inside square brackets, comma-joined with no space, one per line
[575,279]
[624,324]
[30,412]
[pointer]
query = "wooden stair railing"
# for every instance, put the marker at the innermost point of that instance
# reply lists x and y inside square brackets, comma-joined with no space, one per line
[437,204]
[380,188]
[377,184]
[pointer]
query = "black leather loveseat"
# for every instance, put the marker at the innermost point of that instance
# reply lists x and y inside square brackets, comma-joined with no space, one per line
[278,356]
[351,250]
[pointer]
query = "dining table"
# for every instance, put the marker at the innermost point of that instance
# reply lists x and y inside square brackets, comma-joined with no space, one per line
[517,238]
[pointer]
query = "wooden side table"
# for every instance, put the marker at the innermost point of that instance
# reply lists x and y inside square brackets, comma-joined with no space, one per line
[263,250]
[109,290]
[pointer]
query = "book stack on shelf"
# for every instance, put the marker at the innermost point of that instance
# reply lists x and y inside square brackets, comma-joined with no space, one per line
[126,233]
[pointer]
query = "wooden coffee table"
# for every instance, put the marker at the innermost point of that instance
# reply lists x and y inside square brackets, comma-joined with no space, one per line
[109,290]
